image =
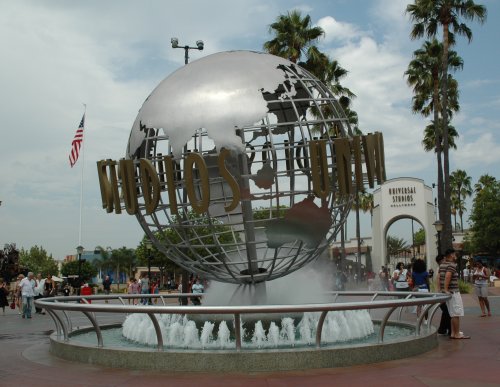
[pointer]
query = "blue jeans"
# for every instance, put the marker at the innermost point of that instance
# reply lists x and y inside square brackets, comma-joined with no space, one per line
[144,300]
[27,306]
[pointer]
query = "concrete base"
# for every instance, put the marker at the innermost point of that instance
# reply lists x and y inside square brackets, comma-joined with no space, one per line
[245,360]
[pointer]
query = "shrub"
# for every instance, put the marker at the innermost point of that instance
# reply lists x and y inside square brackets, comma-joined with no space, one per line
[464,287]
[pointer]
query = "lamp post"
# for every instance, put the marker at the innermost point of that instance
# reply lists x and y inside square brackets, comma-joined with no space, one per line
[438,224]
[79,251]
[199,46]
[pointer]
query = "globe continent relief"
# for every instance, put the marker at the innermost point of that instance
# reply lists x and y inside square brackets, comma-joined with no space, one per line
[232,137]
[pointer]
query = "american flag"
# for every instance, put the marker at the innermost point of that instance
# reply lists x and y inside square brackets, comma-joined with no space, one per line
[77,143]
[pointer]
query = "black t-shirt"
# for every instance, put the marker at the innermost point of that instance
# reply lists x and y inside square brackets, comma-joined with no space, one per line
[106,284]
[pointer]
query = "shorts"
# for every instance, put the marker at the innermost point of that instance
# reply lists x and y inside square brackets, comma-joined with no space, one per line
[455,305]
[481,290]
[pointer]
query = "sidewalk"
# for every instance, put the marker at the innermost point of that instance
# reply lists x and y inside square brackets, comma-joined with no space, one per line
[25,360]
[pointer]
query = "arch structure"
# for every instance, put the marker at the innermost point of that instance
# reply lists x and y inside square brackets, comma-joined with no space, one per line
[402,198]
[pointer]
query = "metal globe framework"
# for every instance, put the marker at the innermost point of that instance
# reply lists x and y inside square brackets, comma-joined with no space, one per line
[265,219]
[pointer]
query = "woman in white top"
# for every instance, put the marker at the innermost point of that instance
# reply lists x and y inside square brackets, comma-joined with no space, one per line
[480,276]
[400,278]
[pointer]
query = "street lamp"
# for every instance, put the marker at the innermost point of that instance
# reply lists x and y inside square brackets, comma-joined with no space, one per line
[79,251]
[199,46]
[438,224]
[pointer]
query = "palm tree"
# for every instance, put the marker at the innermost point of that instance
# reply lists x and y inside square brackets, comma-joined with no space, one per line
[429,141]
[461,187]
[483,182]
[428,15]
[396,246]
[294,39]
[455,203]
[424,74]
[330,73]
[366,203]
[294,35]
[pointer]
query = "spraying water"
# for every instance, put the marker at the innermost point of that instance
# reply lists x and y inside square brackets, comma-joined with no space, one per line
[309,285]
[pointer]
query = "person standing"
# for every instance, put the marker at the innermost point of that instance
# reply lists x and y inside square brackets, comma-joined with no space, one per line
[445,322]
[27,287]
[448,284]
[40,282]
[197,288]
[106,286]
[480,277]
[49,287]
[144,288]
[400,277]
[18,300]
[465,274]
[4,292]
[384,279]
[420,278]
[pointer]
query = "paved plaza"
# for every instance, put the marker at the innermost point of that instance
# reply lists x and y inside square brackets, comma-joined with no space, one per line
[25,361]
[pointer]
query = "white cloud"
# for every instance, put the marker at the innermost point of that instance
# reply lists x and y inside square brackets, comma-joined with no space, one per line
[480,150]
[337,30]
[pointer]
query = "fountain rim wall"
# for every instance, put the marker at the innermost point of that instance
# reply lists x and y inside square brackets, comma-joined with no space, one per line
[256,360]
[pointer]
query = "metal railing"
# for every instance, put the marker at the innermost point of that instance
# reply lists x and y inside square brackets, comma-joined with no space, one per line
[57,308]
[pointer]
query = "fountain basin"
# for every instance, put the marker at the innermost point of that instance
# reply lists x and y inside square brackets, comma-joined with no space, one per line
[320,353]
[248,360]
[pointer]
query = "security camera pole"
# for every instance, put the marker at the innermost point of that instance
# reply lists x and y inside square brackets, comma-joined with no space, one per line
[199,46]
[175,44]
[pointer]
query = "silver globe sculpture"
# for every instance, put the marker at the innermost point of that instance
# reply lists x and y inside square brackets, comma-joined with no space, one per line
[254,216]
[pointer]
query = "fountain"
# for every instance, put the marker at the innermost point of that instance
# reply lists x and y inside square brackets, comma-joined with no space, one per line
[241,167]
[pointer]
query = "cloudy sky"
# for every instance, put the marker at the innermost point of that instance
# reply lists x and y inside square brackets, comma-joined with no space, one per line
[58,55]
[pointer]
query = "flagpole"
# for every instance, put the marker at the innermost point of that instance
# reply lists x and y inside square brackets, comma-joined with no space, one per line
[81,180]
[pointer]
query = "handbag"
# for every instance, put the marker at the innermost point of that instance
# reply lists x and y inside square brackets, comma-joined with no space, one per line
[12,305]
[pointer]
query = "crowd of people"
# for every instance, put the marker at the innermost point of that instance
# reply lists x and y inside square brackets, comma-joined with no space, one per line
[413,277]
[25,291]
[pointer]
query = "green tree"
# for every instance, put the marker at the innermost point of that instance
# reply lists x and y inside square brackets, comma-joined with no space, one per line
[428,15]
[295,39]
[71,268]
[123,260]
[330,73]
[158,258]
[396,246]
[419,237]
[461,188]
[294,35]
[429,141]
[425,75]
[202,238]
[38,261]
[485,220]
[483,182]
[363,202]
[102,263]
[366,203]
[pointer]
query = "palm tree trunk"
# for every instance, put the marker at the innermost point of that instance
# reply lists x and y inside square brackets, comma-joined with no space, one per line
[437,139]
[447,230]
[358,237]
[460,213]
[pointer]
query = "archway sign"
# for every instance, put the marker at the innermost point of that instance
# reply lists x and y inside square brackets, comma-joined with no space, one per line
[402,198]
